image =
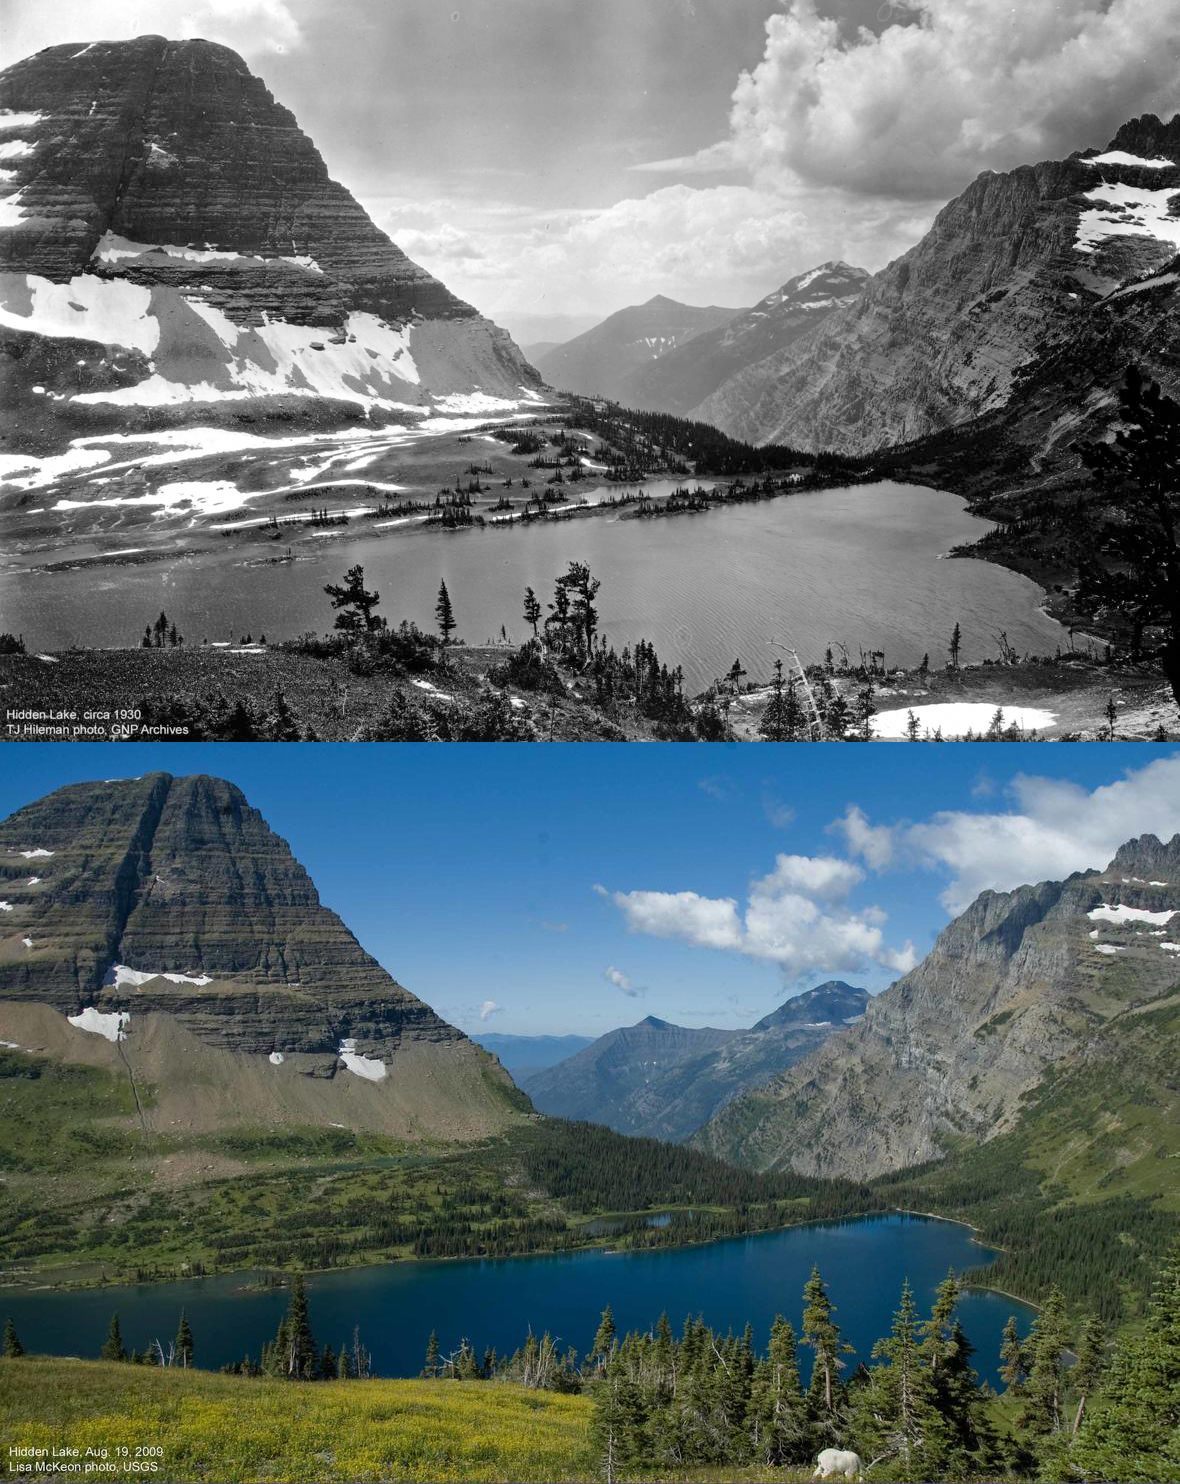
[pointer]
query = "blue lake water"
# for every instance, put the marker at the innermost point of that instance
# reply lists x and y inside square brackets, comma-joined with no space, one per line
[494,1302]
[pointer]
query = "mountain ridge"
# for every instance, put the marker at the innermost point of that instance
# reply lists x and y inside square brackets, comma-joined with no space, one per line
[662,1080]
[1013,993]
[1013,272]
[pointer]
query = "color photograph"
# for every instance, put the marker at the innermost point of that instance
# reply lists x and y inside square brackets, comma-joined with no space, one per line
[359,1124]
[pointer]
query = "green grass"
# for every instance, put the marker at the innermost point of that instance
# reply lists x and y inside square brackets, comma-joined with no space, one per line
[230,1430]
[239,1431]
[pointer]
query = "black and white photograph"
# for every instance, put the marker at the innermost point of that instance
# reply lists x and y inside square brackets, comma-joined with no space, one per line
[383,376]
[589,370]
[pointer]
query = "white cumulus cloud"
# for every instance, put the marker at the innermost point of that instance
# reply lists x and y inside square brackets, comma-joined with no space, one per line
[795,917]
[1052,828]
[952,88]
[488,1009]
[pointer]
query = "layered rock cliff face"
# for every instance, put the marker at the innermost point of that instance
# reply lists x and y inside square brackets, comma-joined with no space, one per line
[176,238]
[666,1080]
[161,915]
[688,374]
[1025,984]
[1014,274]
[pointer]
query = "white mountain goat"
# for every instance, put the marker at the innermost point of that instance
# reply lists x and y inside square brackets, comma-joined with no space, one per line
[835,1461]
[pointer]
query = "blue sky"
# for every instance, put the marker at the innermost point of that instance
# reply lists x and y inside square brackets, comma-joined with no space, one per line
[554,160]
[520,877]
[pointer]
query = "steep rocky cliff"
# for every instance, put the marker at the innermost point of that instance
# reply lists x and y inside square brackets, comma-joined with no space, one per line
[683,378]
[170,238]
[1022,988]
[159,924]
[611,359]
[666,1080]
[1021,271]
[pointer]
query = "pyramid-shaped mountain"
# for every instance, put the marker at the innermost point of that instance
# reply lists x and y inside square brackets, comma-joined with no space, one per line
[158,926]
[171,240]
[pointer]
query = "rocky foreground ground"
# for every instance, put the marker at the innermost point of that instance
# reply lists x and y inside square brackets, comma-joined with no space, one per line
[284,693]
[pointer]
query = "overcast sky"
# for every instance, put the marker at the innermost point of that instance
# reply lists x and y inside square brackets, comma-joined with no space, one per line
[558,159]
[574,889]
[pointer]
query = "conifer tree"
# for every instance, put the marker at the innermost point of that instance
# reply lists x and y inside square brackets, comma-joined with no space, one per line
[822,1335]
[1047,1345]
[956,645]
[532,609]
[12,1346]
[1091,1363]
[431,1367]
[294,1353]
[355,603]
[1132,563]
[182,1348]
[113,1347]
[1133,1430]
[1013,1362]
[444,615]
[779,1431]
[604,1338]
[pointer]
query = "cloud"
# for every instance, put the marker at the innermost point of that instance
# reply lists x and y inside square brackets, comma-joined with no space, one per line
[251,27]
[873,843]
[973,85]
[821,876]
[728,244]
[488,1009]
[715,157]
[621,982]
[794,917]
[1053,828]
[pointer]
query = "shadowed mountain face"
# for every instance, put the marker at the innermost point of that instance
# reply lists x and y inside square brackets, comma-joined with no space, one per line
[161,922]
[1028,993]
[666,1080]
[1062,271]
[170,232]
[680,380]
[608,360]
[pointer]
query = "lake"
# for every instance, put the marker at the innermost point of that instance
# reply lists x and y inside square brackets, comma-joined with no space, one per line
[493,1302]
[859,566]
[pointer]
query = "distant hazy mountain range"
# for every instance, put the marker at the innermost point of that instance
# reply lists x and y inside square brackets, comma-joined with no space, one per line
[666,1080]
[606,360]
[522,1054]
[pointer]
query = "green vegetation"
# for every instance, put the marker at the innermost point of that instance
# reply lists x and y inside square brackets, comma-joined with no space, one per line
[231,1431]
[1083,1192]
[698,1405]
[326,1197]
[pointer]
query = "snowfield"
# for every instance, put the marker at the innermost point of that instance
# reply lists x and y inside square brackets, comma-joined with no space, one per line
[364,1066]
[121,977]
[1127,211]
[102,1023]
[956,718]
[1120,914]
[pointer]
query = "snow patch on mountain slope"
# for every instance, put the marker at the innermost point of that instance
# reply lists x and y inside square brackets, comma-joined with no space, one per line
[121,977]
[102,1023]
[364,1066]
[1127,211]
[1121,914]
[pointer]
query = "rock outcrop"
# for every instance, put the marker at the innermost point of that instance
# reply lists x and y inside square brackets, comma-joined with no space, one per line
[170,232]
[162,902]
[612,359]
[666,1080]
[1016,990]
[1017,274]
